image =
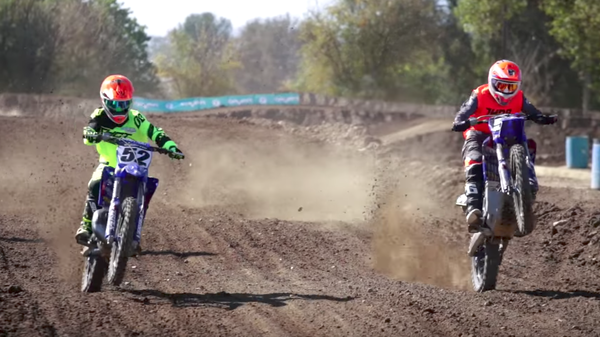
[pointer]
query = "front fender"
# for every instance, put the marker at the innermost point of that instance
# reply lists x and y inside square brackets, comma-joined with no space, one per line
[132,169]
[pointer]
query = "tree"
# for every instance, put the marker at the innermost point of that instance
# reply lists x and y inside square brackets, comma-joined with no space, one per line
[159,45]
[69,46]
[486,19]
[268,51]
[576,25]
[202,58]
[517,30]
[28,36]
[362,47]
[98,38]
[458,58]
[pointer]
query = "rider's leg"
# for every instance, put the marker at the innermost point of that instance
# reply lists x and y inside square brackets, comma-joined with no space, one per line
[532,146]
[85,230]
[473,159]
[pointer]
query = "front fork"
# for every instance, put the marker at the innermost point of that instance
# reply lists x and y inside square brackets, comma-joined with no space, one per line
[505,178]
[141,198]
[114,211]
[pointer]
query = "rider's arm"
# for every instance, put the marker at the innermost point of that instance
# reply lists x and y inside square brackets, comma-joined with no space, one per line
[93,125]
[536,115]
[155,133]
[468,108]
[530,109]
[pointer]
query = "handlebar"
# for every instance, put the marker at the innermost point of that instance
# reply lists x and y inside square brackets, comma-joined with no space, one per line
[109,138]
[466,124]
[485,118]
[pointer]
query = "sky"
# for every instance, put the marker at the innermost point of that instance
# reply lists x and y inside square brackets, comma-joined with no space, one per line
[160,16]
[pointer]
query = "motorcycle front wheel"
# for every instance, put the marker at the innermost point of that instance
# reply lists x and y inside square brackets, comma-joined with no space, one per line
[122,245]
[522,196]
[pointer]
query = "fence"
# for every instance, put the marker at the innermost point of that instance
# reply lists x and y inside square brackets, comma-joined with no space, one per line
[205,103]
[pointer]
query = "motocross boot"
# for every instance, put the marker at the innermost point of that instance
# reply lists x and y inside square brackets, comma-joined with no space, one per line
[474,193]
[84,232]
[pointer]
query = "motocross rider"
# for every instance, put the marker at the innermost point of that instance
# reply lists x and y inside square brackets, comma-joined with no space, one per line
[500,95]
[115,116]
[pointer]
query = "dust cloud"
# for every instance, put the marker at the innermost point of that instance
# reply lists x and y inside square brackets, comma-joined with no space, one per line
[413,240]
[284,179]
[43,180]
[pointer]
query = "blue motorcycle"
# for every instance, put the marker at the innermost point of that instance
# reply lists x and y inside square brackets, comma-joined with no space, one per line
[125,193]
[508,197]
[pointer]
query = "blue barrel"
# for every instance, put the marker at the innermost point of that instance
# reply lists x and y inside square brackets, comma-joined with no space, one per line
[577,151]
[596,164]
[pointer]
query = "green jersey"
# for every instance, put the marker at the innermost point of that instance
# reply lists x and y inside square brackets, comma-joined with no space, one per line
[137,127]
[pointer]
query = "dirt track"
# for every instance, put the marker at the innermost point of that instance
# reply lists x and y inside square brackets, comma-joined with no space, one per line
[263,232]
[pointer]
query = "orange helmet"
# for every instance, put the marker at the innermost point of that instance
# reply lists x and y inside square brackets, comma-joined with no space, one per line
[504,81]
[116,93]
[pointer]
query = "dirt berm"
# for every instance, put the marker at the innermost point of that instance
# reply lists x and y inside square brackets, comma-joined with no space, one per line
[269,229]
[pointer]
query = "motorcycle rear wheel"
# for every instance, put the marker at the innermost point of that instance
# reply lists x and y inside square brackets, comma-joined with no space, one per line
[485,265]
[93,273]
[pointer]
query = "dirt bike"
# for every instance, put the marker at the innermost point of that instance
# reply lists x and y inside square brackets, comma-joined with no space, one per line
[507,197]
[125,193]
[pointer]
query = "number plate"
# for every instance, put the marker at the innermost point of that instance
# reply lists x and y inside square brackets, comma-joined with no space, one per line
[127,155]
[496,125]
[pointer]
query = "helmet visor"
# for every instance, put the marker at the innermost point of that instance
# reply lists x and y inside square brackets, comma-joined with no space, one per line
[118,107]
[505,87]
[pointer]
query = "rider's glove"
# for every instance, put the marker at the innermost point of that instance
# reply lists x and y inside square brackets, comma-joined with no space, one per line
[175,153]
[461,126]
[91,135]
[546,120]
